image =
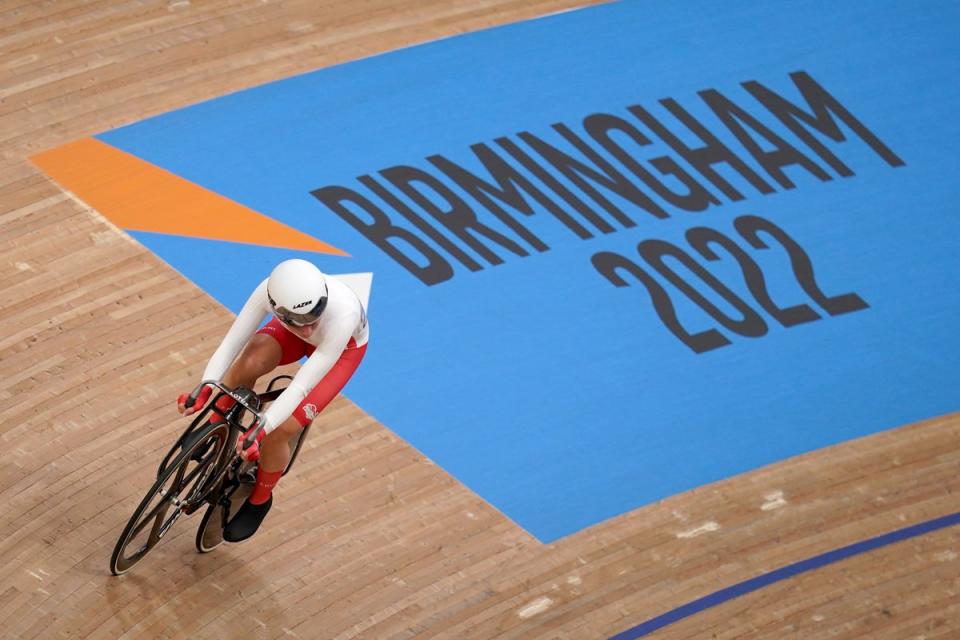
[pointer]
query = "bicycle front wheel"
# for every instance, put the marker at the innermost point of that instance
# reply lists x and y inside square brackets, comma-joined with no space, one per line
[179,489]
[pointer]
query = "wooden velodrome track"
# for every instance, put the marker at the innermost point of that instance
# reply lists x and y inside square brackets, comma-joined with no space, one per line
[368,539]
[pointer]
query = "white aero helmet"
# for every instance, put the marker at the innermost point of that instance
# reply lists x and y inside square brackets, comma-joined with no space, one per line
[297,291]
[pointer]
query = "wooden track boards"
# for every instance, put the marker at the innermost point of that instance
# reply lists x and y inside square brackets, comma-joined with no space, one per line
[367,539]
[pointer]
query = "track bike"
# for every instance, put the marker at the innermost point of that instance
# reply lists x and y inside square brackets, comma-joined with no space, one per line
[202,468]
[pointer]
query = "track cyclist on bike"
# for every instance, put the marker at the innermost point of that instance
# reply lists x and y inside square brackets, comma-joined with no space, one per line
[314,315]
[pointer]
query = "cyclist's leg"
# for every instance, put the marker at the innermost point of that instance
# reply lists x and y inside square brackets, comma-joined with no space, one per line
[269,348]
[331,385]
[261,355]
[275,448]
[273,460]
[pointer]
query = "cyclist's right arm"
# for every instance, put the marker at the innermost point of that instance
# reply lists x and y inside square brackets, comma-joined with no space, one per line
[251,316]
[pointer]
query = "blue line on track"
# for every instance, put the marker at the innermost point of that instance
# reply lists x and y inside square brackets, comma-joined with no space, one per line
[783,573]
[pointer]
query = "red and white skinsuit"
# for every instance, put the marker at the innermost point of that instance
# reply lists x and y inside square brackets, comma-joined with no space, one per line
[334,351]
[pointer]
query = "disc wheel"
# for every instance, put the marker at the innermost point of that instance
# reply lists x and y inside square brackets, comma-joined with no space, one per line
[180,488]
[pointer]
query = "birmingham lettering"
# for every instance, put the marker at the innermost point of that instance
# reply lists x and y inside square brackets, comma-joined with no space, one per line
[436,218]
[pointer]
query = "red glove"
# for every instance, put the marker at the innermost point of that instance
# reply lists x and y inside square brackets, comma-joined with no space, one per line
[252,452]
[199,404]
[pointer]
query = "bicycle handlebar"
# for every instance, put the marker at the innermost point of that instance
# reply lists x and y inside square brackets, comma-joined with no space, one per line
[251,436]
[192,398]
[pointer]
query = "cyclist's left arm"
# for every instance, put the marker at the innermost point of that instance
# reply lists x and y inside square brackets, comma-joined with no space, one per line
[335,338]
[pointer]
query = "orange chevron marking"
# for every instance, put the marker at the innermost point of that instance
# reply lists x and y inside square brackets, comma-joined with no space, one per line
[139,196]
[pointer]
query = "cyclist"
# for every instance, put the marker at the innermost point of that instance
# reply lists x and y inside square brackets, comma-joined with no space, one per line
[314,315]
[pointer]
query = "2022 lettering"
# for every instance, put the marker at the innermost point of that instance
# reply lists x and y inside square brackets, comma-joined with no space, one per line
[704,241]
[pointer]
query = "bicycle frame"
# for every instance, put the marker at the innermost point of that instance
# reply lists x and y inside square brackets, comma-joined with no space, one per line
[228,455]
[213,480]
[201,416]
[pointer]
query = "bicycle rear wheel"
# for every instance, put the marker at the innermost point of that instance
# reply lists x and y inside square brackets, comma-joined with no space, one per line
[232,493]
[180,488]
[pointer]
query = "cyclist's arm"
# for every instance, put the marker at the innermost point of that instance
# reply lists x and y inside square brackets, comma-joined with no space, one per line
[254,312]
[327,353]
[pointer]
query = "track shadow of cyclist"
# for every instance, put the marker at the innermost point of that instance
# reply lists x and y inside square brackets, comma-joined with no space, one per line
[183,590]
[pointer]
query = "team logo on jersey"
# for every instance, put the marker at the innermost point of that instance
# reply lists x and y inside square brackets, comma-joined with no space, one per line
[310,410]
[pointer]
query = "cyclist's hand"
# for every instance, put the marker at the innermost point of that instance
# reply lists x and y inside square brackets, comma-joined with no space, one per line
[252,452]
[199,404]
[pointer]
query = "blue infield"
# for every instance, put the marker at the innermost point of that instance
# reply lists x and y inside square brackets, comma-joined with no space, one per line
[621,252]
